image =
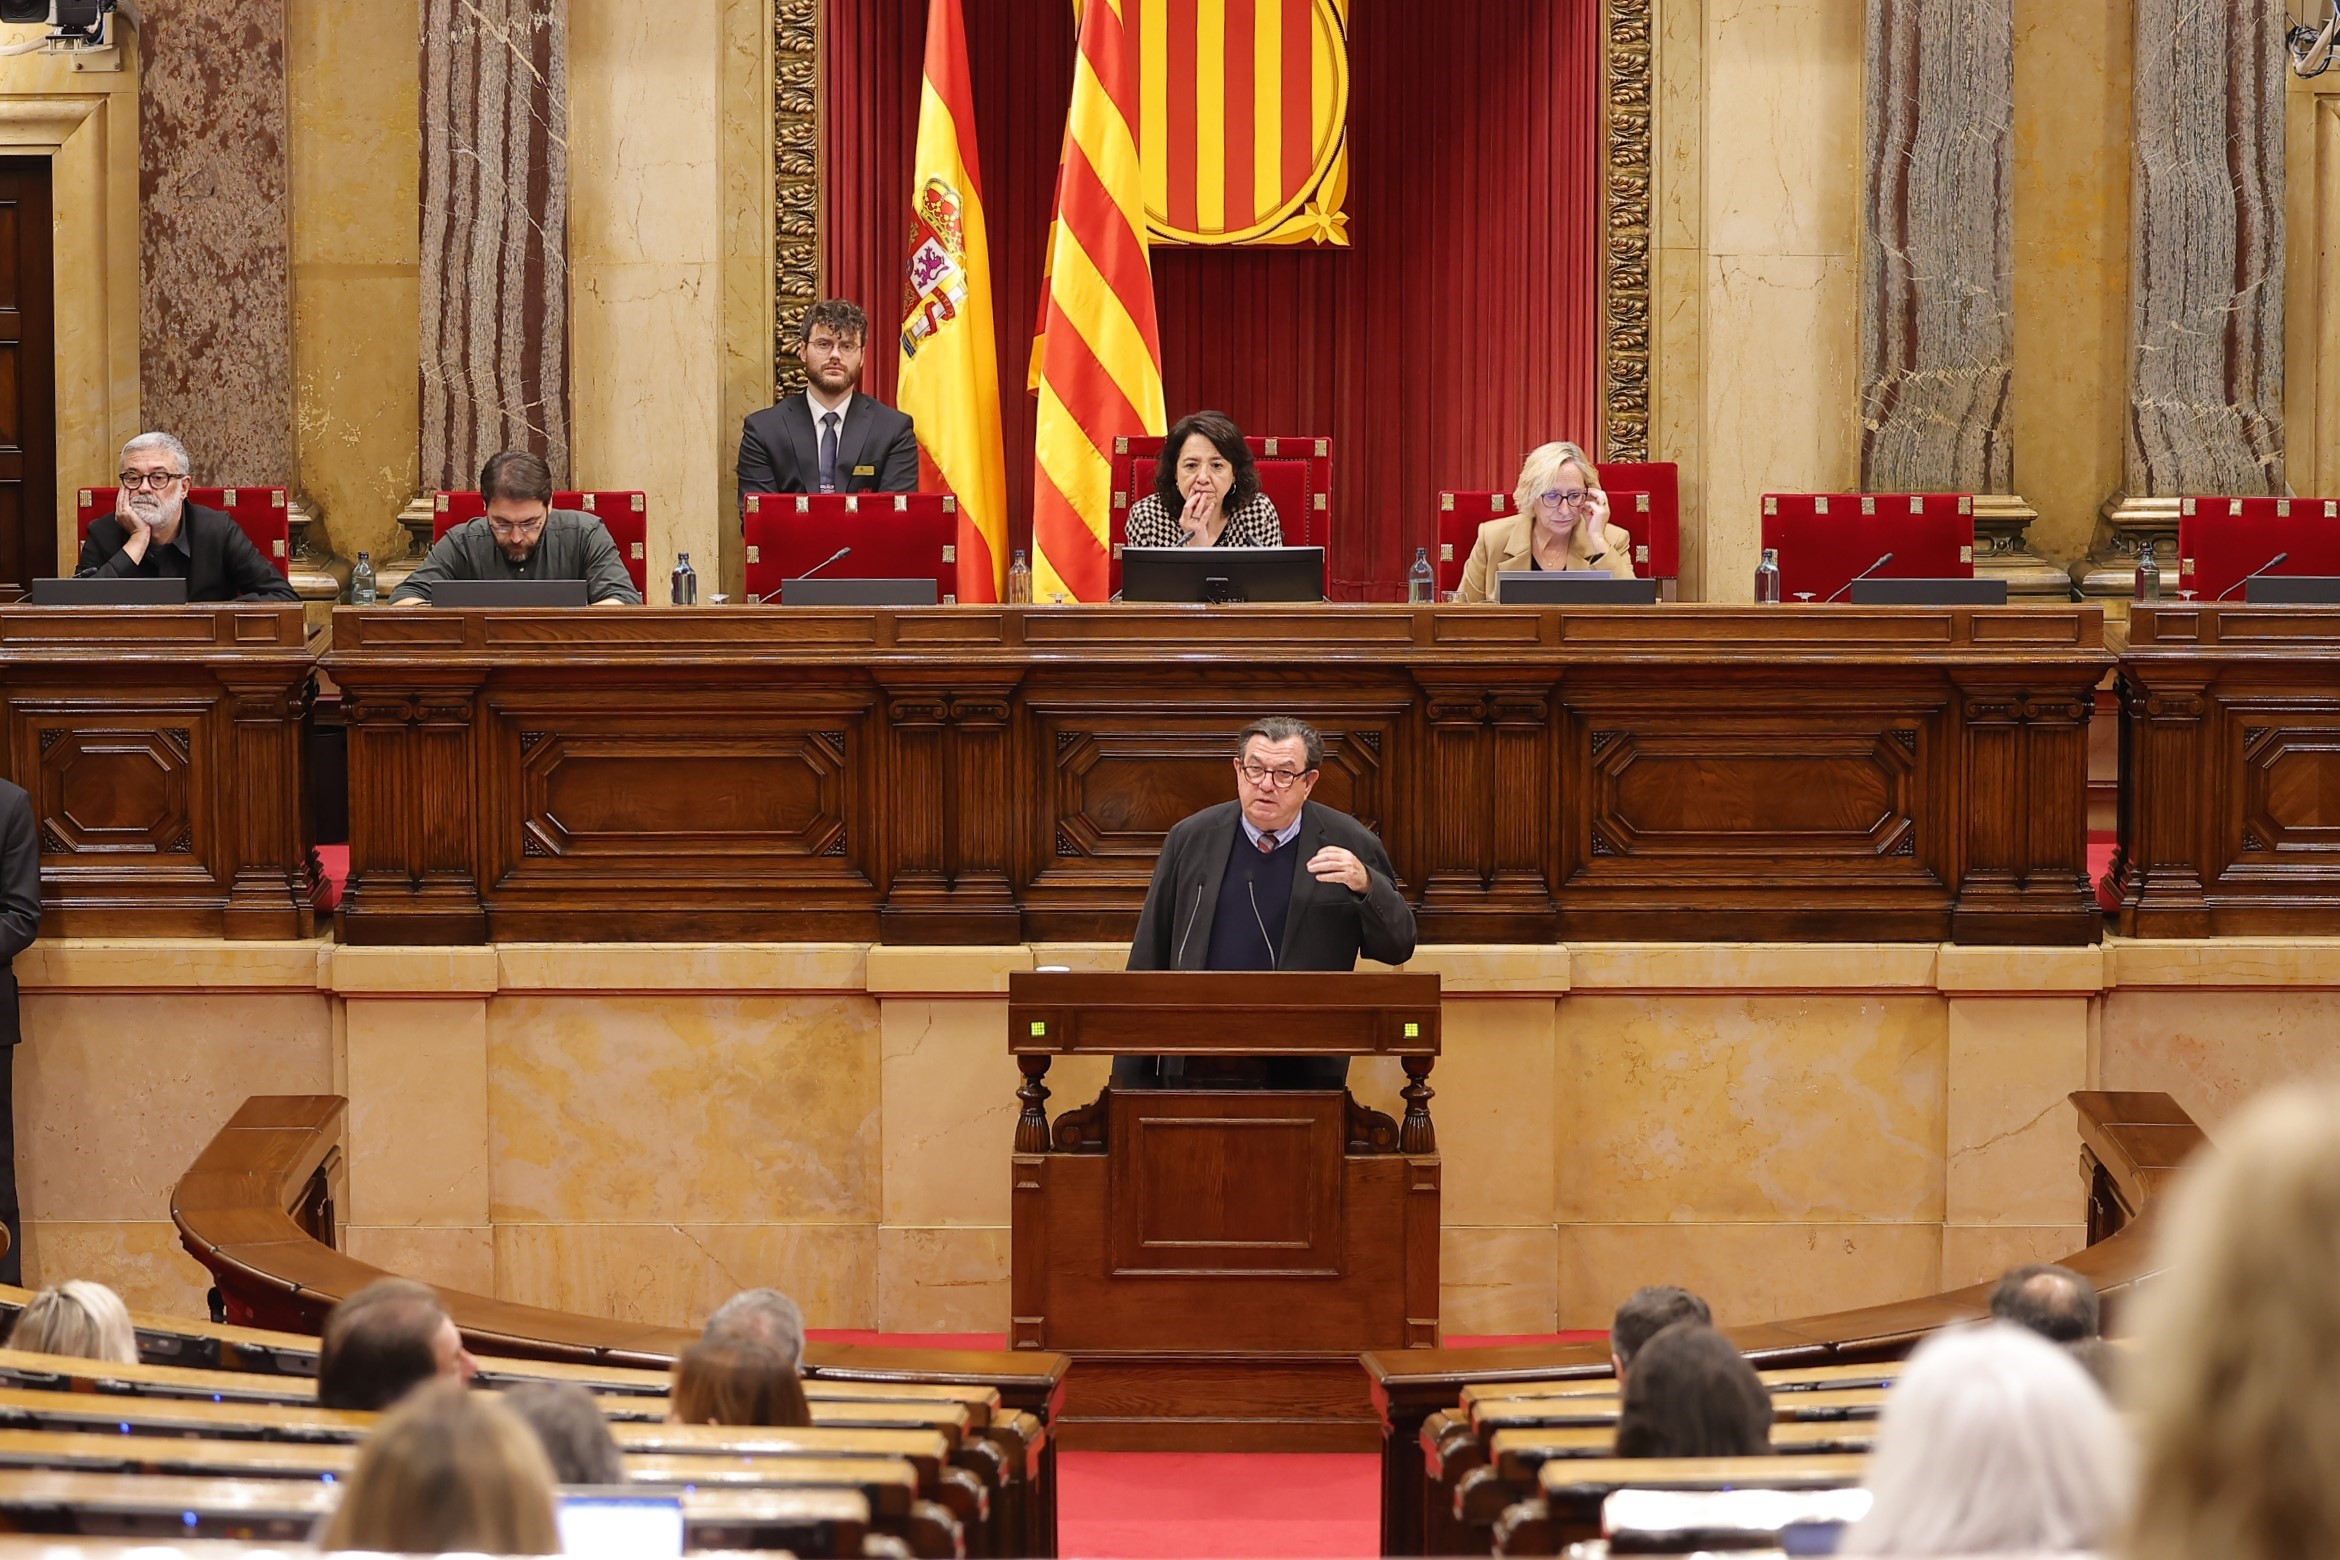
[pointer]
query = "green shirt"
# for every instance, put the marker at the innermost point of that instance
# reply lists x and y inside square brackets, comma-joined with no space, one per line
[574,546]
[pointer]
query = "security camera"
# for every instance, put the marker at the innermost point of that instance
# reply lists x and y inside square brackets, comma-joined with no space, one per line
[73,24]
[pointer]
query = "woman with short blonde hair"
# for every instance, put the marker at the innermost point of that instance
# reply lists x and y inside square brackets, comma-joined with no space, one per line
[2237,1385]
[1562,524]
[77,1317]
[448,1470]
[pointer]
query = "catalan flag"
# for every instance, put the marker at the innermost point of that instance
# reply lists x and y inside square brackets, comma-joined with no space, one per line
[950,361]
[1101,365]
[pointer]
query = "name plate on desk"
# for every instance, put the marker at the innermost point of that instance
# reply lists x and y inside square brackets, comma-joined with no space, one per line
[2293,590]
[809,592]
[1947,592]
[118,590]
[509,593]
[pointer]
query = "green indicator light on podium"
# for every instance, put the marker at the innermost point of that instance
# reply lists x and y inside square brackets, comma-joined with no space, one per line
[1413,1031]
[1039,1029]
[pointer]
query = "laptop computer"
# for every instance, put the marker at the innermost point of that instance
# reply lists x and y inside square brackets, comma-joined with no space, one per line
[509,593]
[117,590]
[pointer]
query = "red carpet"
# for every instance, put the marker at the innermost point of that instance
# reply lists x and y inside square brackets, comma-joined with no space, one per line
[2100,855]
[1204,1505]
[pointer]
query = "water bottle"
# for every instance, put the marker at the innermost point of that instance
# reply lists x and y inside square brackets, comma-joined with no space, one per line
[2148,586]
[1421,580]
[1767,579]
[1019,579]
[363,592]
[686,582]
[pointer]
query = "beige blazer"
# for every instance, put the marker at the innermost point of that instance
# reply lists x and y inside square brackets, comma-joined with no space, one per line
[1504,544]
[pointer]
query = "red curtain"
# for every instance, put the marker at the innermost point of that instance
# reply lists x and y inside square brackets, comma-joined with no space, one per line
[1460,329]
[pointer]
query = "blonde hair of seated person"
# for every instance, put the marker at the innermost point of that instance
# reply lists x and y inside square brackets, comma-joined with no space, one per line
[1540,474]
[448,1470]
[2236,1384]
[1995,1441]
[77,1317]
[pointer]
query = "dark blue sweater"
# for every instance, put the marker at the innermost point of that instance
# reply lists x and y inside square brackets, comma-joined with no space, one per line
[1253,877]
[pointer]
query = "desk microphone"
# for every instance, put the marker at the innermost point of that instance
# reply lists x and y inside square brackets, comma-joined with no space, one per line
[1856,579]
[2254,574]
[824,563]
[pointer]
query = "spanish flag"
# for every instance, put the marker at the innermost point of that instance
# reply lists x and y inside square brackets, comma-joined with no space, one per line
[950,361]
[1101,365]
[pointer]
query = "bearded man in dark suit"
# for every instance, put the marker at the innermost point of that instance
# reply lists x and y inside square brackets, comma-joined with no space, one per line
[829,437]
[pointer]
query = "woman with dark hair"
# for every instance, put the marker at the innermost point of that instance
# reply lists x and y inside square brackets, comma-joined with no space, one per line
[736,1382]
[1690,1394]
[1206,491]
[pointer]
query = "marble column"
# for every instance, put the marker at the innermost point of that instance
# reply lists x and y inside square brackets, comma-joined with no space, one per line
[1938,267]
[495,235]
[215,251]
[2206,272]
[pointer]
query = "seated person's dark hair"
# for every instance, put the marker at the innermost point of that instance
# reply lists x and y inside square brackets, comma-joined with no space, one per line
[1648,1312]
[516,474]
[736,1381]
[378,1348]
[576,1438]
[1692,1395]
[2053,1301]
[1227,439]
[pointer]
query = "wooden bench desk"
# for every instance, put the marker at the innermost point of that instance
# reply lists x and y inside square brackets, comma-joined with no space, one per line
[1809,1378]
[1491,1414]
[1567,1508]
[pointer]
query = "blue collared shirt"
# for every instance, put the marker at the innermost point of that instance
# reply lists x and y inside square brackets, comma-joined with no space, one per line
[1282,837]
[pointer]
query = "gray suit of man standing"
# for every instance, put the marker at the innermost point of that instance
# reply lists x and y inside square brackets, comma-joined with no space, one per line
[1269,881]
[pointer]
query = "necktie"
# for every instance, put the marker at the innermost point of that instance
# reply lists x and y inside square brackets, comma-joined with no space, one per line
[829,452]
[1267,844]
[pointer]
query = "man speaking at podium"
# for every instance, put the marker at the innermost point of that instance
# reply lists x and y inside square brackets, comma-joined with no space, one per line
[1267,882]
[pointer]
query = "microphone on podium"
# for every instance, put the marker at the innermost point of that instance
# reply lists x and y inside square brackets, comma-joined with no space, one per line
[1856,579]
[824,563]
[2254,574]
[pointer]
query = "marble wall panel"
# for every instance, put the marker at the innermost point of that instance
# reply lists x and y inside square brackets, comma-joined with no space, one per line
[1498,1280]
[357,266]
[673,1275]
[417,1074]
[951,1280]
[713,1110]
[950,1112]
[2206,275]
[495,235]
[216,235]
[117,1093]
[2069,402]
[450,1256]
[1749,1272]
[1709,1110]
[1937,251]
[139,1259]
[2009,1124]
[2213,1050]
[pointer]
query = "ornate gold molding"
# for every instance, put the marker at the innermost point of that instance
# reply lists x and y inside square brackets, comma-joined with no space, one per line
[796,195]
[1629,75]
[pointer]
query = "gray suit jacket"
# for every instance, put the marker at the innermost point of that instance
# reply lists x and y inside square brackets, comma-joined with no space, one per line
[1327,927]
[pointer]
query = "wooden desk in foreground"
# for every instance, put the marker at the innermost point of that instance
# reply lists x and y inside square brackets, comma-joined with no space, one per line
[995,775]
[162,749]
[2230,755]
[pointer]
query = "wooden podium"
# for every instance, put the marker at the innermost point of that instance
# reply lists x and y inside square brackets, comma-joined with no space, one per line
[1216,1258]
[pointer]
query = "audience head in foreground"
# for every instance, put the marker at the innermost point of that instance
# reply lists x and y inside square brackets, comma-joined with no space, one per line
[736,1382]
[568,1424]
[2053,1301]
[1645,1314]
[1993,1442]
[1690,1394]
[1206,491]
[2238,1398]
[383,1342]
[448,1470]
[77,1317]
[764,1316]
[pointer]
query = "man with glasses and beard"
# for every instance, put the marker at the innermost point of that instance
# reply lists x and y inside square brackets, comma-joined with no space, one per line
[1269,881]
[155,532]
[522,537]
[830,438]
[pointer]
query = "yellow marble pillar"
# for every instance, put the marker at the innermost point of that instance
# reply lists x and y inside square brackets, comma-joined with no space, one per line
[1780,180]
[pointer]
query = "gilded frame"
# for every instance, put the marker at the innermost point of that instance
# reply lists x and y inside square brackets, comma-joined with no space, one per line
[1628,73]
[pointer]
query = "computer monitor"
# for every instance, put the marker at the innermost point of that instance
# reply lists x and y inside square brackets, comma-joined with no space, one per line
[1885,591]
[821,591]
[1222,574]
[1572,588]
[509,593]
[110,590]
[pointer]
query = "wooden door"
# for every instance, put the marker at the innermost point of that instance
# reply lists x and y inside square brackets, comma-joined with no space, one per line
[28,362]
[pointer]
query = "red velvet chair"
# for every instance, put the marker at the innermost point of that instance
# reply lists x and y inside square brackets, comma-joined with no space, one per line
[624,513]
[1461,514]
[262,512]
[2223,541]
[1825,539]
[1295,473]
[894,536]
[1657,551]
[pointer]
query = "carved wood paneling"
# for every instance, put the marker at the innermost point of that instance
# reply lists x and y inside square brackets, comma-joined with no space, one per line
[796,194]
[1629,74]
